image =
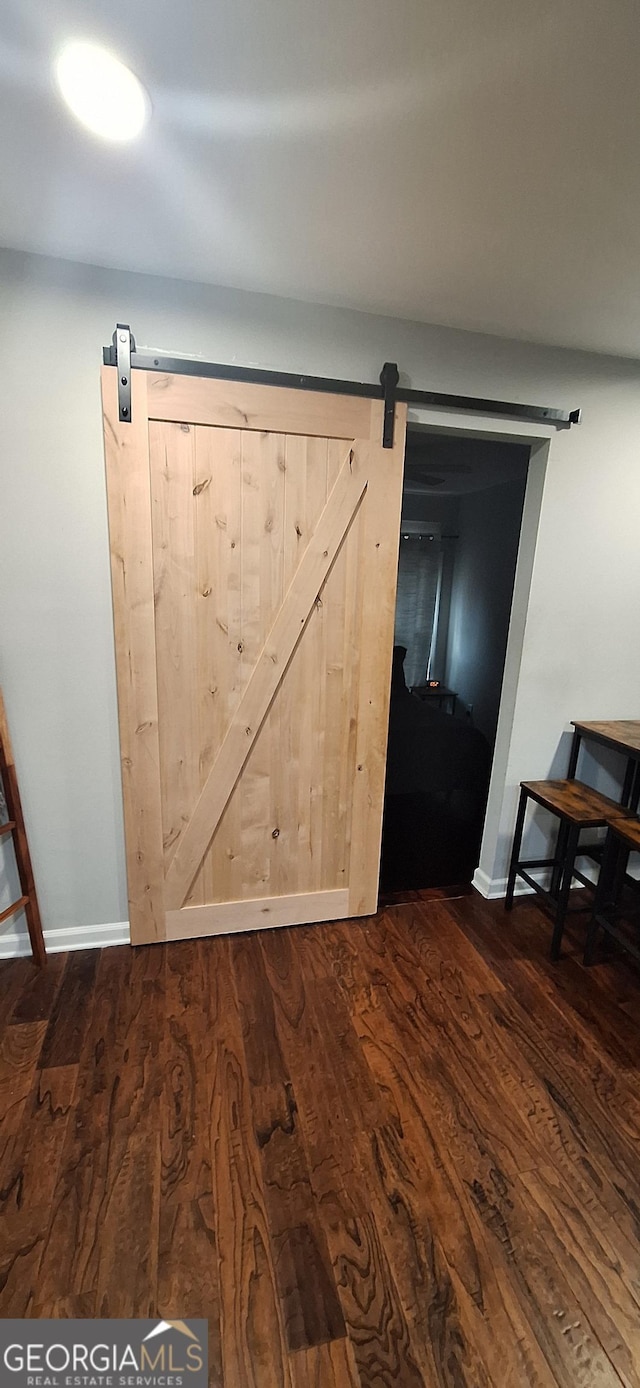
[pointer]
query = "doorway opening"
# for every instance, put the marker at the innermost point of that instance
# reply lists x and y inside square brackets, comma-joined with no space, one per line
[463,502]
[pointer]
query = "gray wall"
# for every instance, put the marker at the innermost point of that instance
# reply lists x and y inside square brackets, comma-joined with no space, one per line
[482,586]
[56,644]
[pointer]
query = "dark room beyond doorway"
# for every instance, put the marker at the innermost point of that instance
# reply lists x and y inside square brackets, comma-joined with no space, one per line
[461,518]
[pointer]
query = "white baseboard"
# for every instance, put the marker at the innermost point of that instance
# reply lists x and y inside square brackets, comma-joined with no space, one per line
[494,888]
[14,943]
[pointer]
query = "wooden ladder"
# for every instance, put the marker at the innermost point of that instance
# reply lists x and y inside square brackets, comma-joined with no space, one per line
[28,900]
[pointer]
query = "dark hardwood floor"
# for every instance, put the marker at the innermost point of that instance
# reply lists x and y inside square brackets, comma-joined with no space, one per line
[402,1151]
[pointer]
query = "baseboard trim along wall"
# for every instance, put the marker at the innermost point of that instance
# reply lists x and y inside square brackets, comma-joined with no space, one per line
[16,943]
[493,888]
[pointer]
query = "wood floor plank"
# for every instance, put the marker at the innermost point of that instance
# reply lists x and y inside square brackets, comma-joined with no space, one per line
[446,952]
[29,1163]
[310,1303]
[331,1365]
[254,1350]
[188,1282]
[126,1276]
[189,1052]
[21,1247]
[67,1308]
[20,1048]
[68,1020]
[40,990]
[376,1324]
[103,1233]
[16,976]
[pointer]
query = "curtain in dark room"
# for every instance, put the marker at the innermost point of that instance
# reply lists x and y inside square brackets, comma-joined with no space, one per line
[419,572]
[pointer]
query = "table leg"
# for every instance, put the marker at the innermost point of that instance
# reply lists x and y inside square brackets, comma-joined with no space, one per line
[630,778]
[573,755]
[563,828]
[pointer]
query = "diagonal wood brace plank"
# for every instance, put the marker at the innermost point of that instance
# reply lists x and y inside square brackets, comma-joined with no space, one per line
[272,663]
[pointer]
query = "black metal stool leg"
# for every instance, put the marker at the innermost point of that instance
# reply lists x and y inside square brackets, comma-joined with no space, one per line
[608,891]
[560,855]
[515,852]
[605,876]
[565,887]
[619,871]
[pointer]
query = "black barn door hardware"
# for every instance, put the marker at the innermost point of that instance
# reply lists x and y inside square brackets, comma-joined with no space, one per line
[389,378]
[123,354]
[123,346]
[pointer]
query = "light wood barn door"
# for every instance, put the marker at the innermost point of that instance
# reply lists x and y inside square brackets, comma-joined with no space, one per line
[254,542]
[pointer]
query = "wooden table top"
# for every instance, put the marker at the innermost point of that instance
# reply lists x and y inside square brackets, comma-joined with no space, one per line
[621,733]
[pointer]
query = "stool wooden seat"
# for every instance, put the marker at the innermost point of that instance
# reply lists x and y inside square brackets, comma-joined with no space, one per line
[623,838]
[577,807]
[577,803]
[627,829]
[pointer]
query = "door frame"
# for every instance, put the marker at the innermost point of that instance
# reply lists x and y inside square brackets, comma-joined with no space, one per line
[539,439]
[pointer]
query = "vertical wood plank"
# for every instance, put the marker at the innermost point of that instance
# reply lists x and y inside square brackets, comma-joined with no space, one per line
[263,490]
[188,1283]
[103,1230]
[354,598]
[310,1307]
[314,661]
[172,468]
[331,1365]
[38,996]
[130,538]
[254,1353]
[72,1009]
[219,539]
[302,708]
[291,694]
[379,571]
[188,1064]
[29,1164]
[342,618]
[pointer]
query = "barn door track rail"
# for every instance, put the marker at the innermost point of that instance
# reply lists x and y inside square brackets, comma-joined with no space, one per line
[123,354]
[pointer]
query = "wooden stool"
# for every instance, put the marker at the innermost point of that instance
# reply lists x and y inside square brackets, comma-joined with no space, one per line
[577,807]
[623,838]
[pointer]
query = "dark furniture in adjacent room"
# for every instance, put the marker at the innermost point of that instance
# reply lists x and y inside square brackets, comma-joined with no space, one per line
[436,790]
[437,694]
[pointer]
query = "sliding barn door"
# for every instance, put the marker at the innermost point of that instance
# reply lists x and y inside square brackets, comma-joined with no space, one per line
[254,544]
